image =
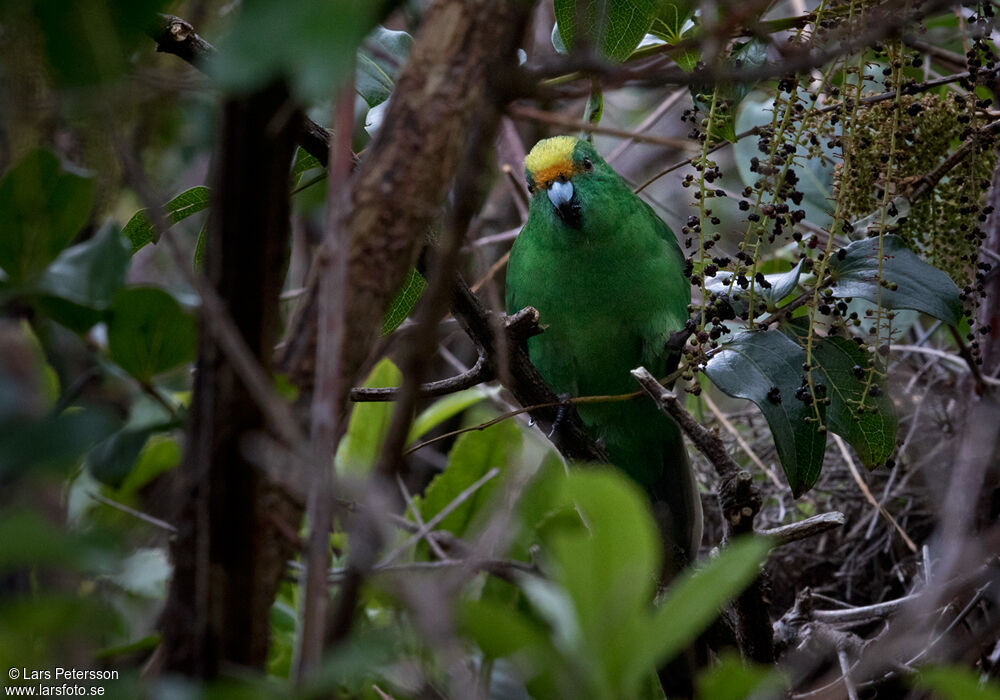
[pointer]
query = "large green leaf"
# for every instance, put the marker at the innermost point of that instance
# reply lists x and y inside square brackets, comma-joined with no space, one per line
[139,229]
[872,432]
[734,679]
[956,683]
[448,407]
[366,430]
[608,569]
[80,284]
[589,628]
[907,281]
[766,368]
[613,27]
[53,444]
[149,332]
[379,65]
[43,207]
[693,601]
[473,455]
[88,273]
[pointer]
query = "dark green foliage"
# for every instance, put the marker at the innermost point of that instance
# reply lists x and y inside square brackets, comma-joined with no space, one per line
[149,333]
[906,281]
[44,206]
[766,367]
[614,34]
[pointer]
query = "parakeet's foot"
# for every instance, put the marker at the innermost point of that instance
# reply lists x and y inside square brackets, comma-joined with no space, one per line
[560,414]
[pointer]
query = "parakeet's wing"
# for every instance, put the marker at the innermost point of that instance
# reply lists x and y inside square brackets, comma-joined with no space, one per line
[673,291]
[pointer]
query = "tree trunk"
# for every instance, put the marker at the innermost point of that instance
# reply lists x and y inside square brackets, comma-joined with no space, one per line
[230,549]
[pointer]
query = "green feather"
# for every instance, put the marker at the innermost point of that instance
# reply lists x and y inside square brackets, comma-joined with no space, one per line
[609,293]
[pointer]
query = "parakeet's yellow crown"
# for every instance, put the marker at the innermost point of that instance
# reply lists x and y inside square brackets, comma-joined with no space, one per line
[551,158]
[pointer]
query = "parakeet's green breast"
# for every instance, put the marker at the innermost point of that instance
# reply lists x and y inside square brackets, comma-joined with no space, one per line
[606,275]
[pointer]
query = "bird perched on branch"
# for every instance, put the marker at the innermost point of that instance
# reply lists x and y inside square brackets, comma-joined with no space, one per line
[606,276]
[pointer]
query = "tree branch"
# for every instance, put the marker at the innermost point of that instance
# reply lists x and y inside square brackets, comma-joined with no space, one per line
[740,501]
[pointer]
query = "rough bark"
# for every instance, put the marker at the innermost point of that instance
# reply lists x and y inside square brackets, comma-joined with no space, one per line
[231,545]
[450,85]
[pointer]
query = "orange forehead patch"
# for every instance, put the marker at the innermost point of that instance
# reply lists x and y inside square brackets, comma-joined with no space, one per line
[547,175]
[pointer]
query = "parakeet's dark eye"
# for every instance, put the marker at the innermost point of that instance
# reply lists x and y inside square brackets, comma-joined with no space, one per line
[587,165]
[531,188]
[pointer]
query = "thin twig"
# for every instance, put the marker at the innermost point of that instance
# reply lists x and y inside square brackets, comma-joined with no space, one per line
[162,524]
[477,374]
[412,507]
[845,669]
[740,441]
[326,411]
[810,527]
[532,114]
[502,567]
[421,532]
[842,446]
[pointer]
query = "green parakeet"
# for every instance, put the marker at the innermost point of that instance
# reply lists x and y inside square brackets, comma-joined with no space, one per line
[606,275]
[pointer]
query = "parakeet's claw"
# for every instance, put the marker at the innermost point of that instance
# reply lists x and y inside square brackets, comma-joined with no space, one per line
[560,414]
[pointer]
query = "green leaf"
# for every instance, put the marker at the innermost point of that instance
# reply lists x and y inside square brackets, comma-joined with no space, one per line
[602,564]
[918,285]
[871,434]
[778,286]
[27,540]
[149,332]
[53,444]
[670,19]
[608,568]
[406,298]
[304,162]
[360,448]
[111,460]
[198,260]
[139,229]
[448,407]
[89,273]
[473,455]
[766,368]
[378,68]
[693,601]
[615,33]
[44,206]
[500,630]
[160,454]
[956,683]
[732,679]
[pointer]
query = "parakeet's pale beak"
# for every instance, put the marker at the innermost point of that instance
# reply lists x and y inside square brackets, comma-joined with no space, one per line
[560,193]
